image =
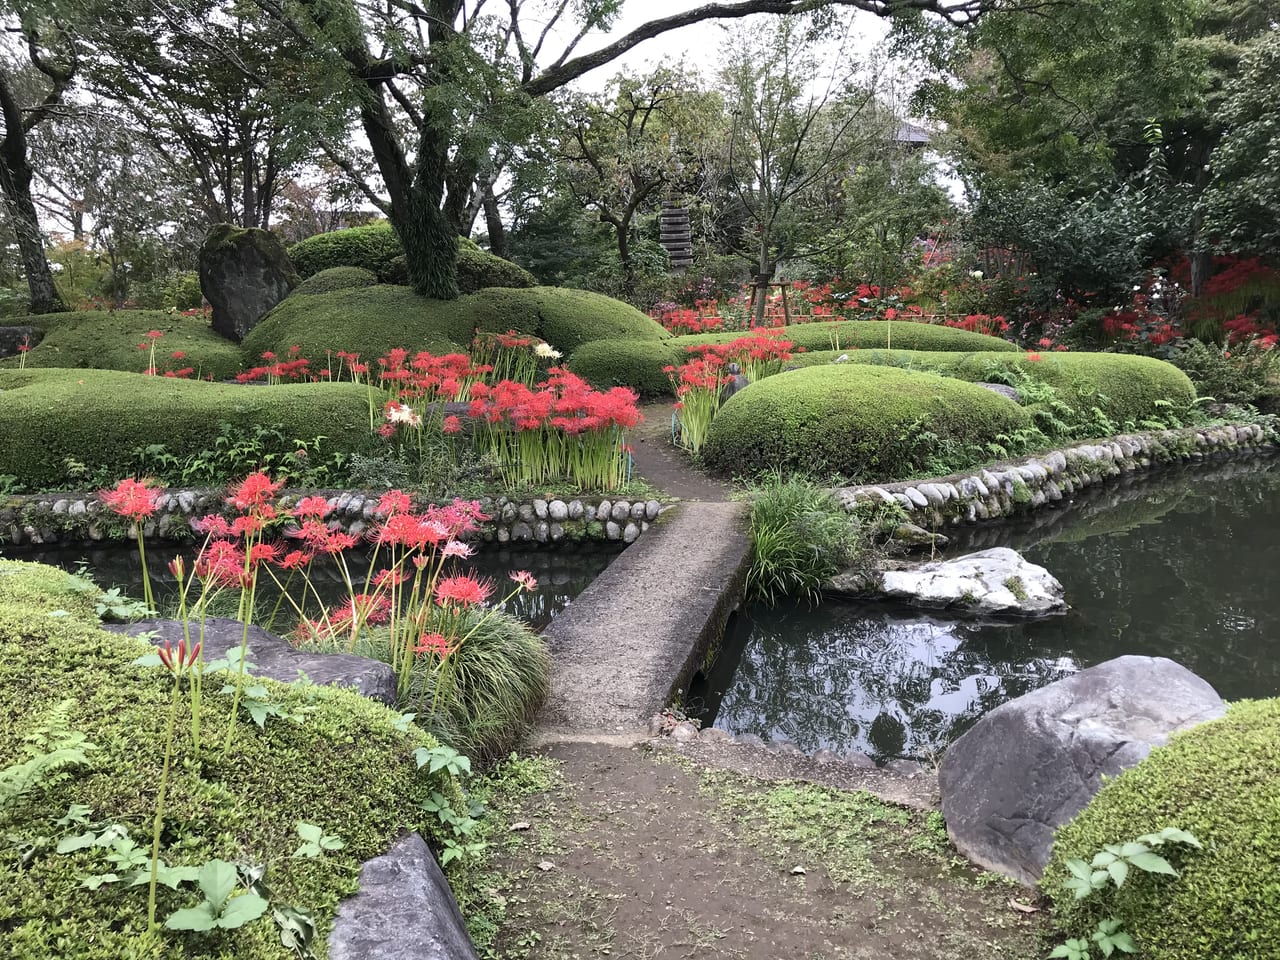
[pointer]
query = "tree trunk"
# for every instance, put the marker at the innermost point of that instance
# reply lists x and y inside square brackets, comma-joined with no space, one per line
[622,229]
[764,276]
[498,243]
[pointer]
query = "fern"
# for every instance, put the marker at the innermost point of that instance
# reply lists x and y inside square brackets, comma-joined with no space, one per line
[52,749]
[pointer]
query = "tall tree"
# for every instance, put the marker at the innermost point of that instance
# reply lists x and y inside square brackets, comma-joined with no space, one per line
[51,53]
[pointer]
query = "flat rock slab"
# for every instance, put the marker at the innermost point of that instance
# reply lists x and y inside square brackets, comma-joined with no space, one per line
[1030,765]
[991,582]
[404,910]
[276,658]
[641,627]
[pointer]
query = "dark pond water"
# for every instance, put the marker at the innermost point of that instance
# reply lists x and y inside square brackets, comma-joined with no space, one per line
[562,573]
[1181,565]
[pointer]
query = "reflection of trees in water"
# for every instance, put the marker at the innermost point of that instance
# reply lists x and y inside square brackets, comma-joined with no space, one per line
[561,574]
[892,684]
[1179,566]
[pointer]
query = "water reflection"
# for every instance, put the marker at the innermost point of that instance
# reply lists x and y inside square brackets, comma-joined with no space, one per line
[1177,566]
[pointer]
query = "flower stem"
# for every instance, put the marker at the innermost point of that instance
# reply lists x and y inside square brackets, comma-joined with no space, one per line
[159,821]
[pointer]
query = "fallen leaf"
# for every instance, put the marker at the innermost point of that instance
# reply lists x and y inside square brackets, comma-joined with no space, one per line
[798,871]
[1023,907]
[546,865]
[522,825]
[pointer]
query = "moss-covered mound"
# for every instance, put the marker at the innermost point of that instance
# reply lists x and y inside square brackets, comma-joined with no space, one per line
[1221,782]
[335,278]
[98,417]
[343,765]
[605,363]
[1125,388]
[859,422]
[376,248]
[372,320]
[102,340]
[35,584]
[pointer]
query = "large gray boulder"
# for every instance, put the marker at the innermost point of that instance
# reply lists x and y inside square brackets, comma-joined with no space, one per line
[276,658]
[1030,765]
[991,582]
[244,273]
[404,910]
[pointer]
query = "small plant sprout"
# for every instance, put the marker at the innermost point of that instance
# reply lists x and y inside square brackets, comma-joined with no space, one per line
[220,909]
[315,842]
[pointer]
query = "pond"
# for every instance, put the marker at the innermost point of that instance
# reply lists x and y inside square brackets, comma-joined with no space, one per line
[1180,565]
[562,572]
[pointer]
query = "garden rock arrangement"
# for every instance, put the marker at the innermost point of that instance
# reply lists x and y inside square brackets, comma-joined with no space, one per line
[60,517]
[1036,481]
[1030,765]
[404,910]
[995,581]
[276,658]
[244,273]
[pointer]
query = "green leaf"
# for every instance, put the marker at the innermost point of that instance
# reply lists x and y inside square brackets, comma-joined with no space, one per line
[309,832]
[148,660]
[1119,872]
[196,918]
[1122,941]
[241,910]
[1133,849]
[1153,863]
[1079,869]
[217,880]
[78,842]
[93,883]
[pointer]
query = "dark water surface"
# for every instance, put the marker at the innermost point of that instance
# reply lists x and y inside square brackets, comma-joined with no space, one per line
[1182,565]
[563,572]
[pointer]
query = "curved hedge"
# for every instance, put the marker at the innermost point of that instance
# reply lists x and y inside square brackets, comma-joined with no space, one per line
[861,423]
[372,320]
[1221,782]
[346,767]
[98,417]
[626,363]
[335,278]
[1124,387]
[108,340]
[642,369]
[371,248]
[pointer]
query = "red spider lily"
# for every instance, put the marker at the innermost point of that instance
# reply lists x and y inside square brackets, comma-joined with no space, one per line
[154,334]
[213,525]
[451,424]
[221,563]
[391,576]
[525,579]
[393,502]
[264,553]
[294,559]
[178,660]
[129,498]
[313,506]
[1034,357]
[434,643]
[254,492]
[456,548]
[463,590]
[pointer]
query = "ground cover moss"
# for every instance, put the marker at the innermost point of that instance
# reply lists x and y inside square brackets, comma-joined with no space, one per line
[98,418]
[372,320]
[862,424]
[1221,782]
[108,340]
[345,765]
[335,278]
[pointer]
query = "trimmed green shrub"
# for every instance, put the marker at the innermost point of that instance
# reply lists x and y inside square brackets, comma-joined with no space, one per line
[477,269]
[861,423]
[335,278]
[182,291]
[371,248]
[108,340]
[1125,388]
[346,766]
[372,320]
[98,418]
[641,369]
[1221,782]
[626,363]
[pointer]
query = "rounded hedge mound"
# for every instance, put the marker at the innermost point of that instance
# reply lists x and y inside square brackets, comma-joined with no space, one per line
[346,766]
[477,269]
[371,248]
[642,369]
[99,418]
[861,423]
[109,340]
[335,278]
[1126,388]
[372,320]
[1221,782]
[627,363]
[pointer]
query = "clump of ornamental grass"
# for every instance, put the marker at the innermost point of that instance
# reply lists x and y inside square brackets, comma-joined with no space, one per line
[801,538]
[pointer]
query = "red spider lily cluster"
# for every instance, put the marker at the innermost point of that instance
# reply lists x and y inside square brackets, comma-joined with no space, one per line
[293,368]
[560,429]
[757,355]
[512,355]
[979,323]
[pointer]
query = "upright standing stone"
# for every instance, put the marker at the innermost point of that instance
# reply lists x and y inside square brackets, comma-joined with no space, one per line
[244,273]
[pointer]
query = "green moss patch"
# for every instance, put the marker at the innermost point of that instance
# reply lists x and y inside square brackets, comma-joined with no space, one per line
[861,423]
[372,320]
[50,589]
[1221,782]
[335,278]
[344,765]
[98,417]
[108,340]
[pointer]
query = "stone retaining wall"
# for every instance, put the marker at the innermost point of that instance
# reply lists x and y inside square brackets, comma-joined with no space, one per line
[56,517]
[1018,486]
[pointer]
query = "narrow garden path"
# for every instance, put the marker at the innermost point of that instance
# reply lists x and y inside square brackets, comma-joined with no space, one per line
[659,462]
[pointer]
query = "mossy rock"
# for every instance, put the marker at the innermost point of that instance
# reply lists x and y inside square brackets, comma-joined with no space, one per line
[1126,388]
[346,765]
[98,418]
[372,320]
[109,340]
[1221,782]
[335,278]
[860,423]
[641,369]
